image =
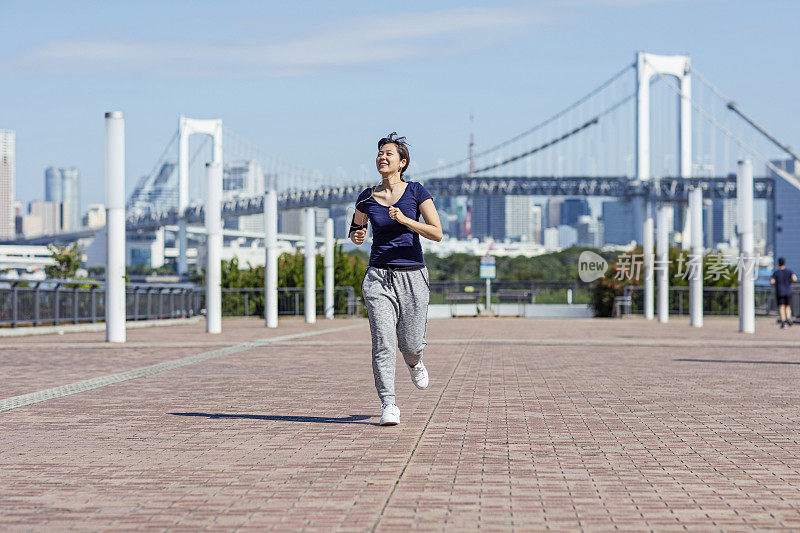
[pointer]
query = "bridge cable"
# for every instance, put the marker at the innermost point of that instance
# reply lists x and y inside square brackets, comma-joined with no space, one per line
[144,181]
[592,121]
[538,126]
[315,174]
[780,172]
[736,109]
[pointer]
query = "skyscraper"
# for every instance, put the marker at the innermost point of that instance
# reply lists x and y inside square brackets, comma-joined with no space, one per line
[787,216]
[63,186]
[572,209]
[489,217]
[618,219]
[553,214]
[241,179]
[523,218]
[71,198]
[723,219]
[49,213]
[589,232]
[7,170]
[52,185]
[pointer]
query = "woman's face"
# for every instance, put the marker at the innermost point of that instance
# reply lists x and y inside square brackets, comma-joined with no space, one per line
[388,160]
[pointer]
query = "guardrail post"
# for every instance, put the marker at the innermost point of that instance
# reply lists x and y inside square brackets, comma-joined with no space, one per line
[160,303]
[56,304]
[136,303]
[36,305]
[328,263]
[93,297]
[14,305]
[662,272]
[75,304]
[310,266]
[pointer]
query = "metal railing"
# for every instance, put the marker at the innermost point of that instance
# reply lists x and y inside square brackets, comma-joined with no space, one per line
[291,301]
[542,292]
[716,300]
[60,301]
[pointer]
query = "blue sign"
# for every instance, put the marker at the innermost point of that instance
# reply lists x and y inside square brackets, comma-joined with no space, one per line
[488,270]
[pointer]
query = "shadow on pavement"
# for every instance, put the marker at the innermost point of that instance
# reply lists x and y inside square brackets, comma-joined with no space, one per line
[739,361]
[352,419]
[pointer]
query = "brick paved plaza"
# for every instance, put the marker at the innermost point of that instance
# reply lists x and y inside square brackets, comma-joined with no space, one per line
[527,425]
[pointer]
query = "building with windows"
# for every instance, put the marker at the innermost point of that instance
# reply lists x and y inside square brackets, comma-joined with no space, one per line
[618,222]
[523,219]
[572,209]
[589,232]
[723,223]
[553,212]
[7,176]
[787,215]
[62,186]
[488,217]
[49,214]
[243,179]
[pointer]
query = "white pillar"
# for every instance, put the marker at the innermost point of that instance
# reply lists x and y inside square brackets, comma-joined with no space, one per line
[115,227]
[662,244]
[311,267]
[271,266]
[686,152]
[744,208]
[696,258]
[643,75]
[183,193]
[213,213]
[686,121]
[329,269]
[647,262]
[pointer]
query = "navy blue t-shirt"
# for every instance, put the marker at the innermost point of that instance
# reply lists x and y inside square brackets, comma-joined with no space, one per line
[783,282]
[393,244]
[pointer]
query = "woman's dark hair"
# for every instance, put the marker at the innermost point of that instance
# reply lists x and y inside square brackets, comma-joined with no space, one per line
[402,148]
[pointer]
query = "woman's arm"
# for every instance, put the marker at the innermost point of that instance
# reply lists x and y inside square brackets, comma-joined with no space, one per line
[358,236]
[430,229]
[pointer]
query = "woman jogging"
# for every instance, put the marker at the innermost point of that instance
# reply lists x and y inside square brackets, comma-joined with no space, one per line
[395,287]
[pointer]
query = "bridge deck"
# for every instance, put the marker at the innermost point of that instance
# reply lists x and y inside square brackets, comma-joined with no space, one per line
[528,424]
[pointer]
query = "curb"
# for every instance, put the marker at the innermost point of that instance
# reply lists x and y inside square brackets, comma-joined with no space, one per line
[26,331]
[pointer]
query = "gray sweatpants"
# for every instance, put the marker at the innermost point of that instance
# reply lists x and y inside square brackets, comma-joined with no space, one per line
[397,304]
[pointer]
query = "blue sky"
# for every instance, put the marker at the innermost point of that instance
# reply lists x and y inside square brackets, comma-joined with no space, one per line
[318,82]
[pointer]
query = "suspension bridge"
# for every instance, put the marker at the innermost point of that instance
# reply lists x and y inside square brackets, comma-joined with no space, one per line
[622,139]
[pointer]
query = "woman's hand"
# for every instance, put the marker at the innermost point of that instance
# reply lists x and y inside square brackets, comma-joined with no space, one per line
[358,236]
[396,214]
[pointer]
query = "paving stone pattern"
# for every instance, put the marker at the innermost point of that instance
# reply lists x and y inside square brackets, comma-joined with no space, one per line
[528,425]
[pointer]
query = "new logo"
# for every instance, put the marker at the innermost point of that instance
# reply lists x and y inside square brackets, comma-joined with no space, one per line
[591,266]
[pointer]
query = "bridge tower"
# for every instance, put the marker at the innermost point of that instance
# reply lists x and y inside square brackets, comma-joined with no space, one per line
[647,66]
[186,128]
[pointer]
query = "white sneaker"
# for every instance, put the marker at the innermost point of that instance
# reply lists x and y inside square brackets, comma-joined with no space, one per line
[419,375]
[390,415]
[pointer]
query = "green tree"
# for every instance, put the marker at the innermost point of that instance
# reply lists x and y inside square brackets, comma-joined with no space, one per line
[717,272]
[68,261]
[348,270]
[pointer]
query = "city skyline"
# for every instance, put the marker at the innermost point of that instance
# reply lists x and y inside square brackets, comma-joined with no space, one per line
[462,57]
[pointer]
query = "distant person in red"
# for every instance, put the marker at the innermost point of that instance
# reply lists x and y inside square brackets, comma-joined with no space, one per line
[782,278]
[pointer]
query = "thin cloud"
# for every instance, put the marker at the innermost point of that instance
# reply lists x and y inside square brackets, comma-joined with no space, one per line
[364,40]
